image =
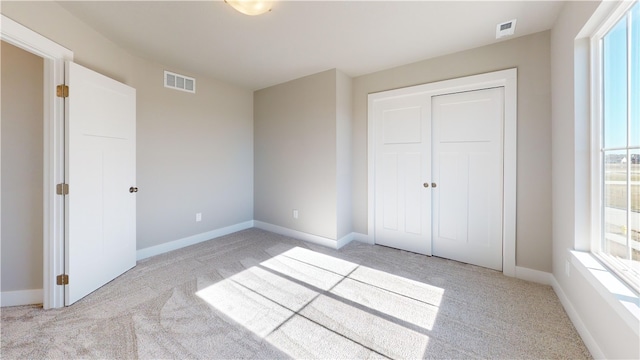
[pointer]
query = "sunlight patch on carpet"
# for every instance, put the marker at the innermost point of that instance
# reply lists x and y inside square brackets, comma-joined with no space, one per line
[366,310]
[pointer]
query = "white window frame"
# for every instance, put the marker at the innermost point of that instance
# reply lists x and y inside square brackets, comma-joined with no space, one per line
[596,74]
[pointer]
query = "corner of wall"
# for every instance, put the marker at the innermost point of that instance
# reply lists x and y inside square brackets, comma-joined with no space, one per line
[344,160]
[583,331]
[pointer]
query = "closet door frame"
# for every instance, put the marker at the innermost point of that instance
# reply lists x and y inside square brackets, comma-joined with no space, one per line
[504,78]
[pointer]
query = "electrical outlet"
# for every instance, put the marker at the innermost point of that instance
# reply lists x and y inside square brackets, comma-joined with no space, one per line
[198,217]
[295,213]
[567,268]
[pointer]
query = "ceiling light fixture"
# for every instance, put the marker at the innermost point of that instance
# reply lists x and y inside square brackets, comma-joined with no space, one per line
[251,7]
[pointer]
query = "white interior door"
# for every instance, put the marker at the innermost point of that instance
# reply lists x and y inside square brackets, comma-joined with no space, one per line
[100,239]
[402,167]
[468,171]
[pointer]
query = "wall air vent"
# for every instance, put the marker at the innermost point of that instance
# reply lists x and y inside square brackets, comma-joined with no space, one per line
[506,28]
[179,82]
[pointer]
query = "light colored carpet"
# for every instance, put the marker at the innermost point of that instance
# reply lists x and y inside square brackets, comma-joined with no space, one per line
[254,294]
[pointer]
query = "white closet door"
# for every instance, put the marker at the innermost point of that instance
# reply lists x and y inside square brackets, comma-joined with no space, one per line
[468,172]
[402,167]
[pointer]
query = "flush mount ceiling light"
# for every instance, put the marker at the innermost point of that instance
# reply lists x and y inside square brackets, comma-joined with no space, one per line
[250,7]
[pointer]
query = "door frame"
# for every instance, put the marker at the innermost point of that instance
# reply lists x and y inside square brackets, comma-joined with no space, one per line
[503,78]
[54,56]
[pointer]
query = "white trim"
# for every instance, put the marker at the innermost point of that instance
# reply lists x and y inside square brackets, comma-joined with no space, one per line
[191,240]
[623,300]
[210,235]
[602,22]
[595,103]
[54,57]
[354,236]
[535,276]
[21,297]
[345,240]
[508,80]
[331,243]
[575,318]
[605,18]
[363,238]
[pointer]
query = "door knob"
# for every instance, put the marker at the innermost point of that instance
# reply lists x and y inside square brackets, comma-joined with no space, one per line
[433,185]
[133,189]
[425,185]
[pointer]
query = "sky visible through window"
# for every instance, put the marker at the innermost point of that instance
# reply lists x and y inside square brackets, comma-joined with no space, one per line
[615,82]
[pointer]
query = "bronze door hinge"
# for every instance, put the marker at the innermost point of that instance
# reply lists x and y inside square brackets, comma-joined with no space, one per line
[62,189]
[62,91]
[62,279]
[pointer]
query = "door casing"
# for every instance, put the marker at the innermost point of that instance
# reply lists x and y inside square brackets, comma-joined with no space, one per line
[504,78]
[54,56]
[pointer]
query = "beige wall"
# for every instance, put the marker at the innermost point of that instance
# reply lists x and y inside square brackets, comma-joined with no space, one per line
[91,49]
[608,332]
[303,154]
[22,169]
[564,33]
[194,152]
[194,155]
[295,154]
[530,54]
[344,111]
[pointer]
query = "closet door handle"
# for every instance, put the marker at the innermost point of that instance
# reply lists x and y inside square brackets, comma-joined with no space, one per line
[425,185]
[433,185]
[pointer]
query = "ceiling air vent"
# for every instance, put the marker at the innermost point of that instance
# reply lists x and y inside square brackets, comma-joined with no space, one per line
[505,29]
[179,82]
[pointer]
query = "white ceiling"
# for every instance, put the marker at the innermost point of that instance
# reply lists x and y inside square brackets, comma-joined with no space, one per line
[299,38]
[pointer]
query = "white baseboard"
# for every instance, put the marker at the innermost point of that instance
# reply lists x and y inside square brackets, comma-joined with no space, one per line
[331,243]
[586,336]
[344,240]
[334,244]
[21,297]
[363,238]
[191,240]
[546,278]
[536,276]
[354,236]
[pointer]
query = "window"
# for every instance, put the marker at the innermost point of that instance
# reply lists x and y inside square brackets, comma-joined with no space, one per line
[616,177]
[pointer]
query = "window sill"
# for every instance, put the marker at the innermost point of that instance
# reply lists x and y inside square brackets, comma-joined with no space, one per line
[622,299]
